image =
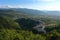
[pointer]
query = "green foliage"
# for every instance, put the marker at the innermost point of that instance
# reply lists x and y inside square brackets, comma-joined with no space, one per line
[8,23]
[11,30]
[27,23]
[7,34]
[53,35]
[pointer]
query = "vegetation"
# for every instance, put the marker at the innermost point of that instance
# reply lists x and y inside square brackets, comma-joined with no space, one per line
[21,28]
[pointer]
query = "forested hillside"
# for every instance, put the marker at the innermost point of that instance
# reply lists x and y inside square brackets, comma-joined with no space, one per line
[16,25]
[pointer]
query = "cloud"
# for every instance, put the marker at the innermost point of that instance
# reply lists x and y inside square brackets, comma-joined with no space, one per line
[15,6]
[46,5]
[45,0]
[11,6]
[49,7]
[48,0]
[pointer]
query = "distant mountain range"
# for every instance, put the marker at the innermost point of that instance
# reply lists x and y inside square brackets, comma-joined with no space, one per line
[32,11]
[38,12]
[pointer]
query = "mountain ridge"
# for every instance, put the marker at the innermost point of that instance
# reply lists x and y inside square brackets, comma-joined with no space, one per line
[33,11]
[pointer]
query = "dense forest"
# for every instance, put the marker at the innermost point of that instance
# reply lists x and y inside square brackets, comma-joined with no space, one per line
[16,25]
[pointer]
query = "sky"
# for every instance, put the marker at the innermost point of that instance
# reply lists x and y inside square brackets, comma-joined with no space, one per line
[32,4]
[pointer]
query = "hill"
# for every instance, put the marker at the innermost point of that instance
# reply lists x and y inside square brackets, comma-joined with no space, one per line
[28,24]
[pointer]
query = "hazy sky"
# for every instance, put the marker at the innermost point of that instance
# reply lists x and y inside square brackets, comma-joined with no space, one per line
[32,4]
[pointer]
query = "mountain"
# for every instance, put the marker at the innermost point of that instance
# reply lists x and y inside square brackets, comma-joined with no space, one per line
[56,13]
[37,12]
[28,24]
[24,12]
[30,11]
